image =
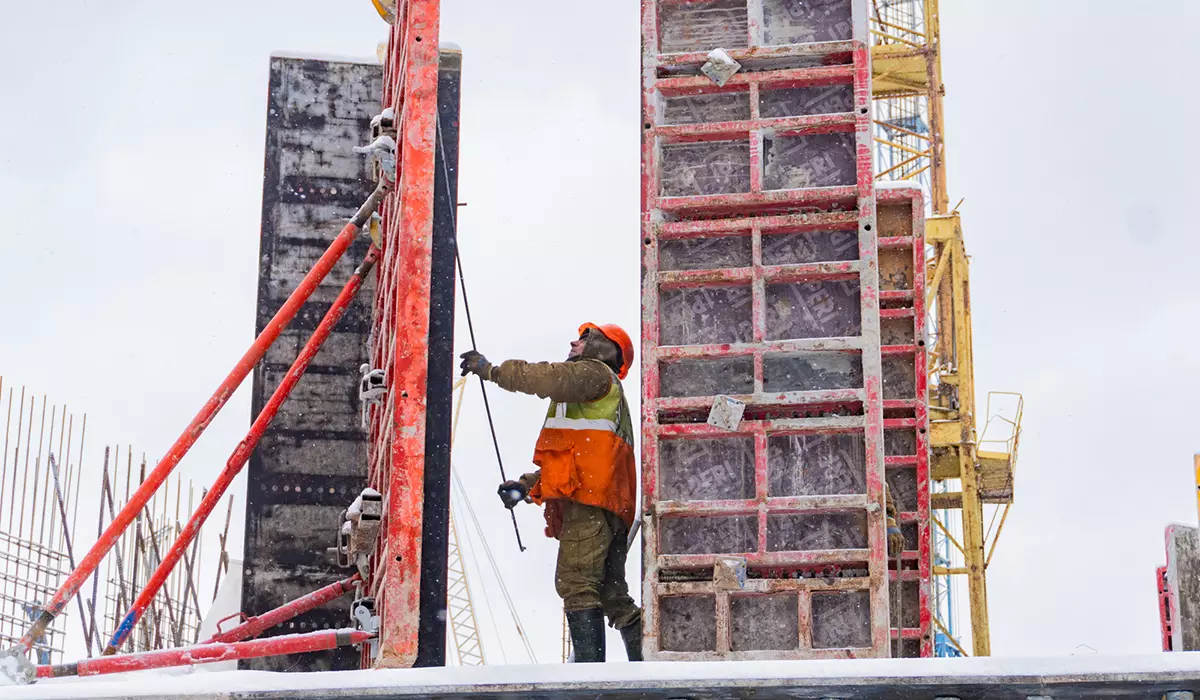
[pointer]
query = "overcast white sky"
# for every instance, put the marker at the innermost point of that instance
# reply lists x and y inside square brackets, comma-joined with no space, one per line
[131,155]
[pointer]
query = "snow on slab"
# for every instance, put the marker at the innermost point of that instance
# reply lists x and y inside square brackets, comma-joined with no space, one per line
[196,681]
[897,185]
[329,57]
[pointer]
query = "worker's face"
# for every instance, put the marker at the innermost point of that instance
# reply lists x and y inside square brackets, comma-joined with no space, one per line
[577,346]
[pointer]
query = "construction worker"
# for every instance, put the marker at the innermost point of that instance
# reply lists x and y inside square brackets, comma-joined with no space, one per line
[587,479]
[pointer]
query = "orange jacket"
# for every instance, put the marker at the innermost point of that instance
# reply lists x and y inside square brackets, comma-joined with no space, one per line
[585,449]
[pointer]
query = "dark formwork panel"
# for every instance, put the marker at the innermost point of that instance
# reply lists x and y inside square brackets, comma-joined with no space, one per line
[312,461]
[431,646]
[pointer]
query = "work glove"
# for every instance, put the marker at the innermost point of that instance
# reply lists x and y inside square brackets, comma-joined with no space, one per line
[512,493]
[895,539]
[475,363]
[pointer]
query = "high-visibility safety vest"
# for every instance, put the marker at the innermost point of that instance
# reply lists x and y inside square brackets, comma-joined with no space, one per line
[585,451]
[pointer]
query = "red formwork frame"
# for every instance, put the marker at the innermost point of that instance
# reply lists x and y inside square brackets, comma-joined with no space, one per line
[850,207]
[1164,608]
[400,332]
[911,413]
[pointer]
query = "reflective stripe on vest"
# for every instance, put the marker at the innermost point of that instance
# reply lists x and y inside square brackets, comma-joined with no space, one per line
[560,421]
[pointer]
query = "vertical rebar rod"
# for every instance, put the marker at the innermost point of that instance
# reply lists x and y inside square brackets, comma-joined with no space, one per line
[16,458]
[7,426]
[62,436]
[93,633]
[62,511]
[223,557]
[166,595]
[190,566]
[78,473]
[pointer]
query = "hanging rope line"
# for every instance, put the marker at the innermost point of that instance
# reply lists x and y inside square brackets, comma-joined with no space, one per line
[462,280]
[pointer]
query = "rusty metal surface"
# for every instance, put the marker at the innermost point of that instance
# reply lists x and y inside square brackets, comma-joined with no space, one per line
[901,221]
[761,281]
[400,332]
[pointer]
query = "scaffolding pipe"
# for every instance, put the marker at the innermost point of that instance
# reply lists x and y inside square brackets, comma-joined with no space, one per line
[254,626]
[208,653]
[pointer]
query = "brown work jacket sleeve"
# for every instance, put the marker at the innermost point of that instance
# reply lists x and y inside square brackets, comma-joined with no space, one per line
[564,382]
[890,505]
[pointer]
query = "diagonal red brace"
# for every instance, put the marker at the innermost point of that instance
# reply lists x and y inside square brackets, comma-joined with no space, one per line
[208,653]
[241,453]
[255,626]
[282,318]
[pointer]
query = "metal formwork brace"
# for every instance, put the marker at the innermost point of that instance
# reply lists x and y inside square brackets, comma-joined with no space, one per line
[241,453]
[754,209]
[911,304]
[208,653]
[400,332]
[254,626]
[184,442]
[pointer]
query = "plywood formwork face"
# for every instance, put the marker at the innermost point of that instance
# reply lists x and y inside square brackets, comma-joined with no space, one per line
[900,216]
[761,282]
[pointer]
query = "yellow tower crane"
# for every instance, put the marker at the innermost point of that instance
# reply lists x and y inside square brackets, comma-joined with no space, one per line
[910,145]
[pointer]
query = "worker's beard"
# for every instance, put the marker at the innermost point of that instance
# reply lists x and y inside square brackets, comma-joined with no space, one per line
[600,348]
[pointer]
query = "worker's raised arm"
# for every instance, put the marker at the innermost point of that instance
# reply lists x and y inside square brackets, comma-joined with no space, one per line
[578,381]
[564,382]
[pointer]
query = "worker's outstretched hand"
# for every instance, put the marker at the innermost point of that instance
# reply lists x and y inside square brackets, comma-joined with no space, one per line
[512,493]
[475,363]
[895,539]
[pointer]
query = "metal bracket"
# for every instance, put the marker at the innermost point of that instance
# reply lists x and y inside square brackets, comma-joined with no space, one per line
[362,614]
[359,531]
[382,152]
[372,388]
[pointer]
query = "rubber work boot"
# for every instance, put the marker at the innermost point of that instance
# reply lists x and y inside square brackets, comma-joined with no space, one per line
[632,636]
[587,634]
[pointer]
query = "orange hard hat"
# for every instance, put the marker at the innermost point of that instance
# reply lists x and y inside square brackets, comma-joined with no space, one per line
[618,335]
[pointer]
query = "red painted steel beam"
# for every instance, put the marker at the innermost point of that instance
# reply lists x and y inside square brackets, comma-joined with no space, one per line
[1164,608]
[241,453]
[410,84]
[208,653]
[207,413]
[255,626]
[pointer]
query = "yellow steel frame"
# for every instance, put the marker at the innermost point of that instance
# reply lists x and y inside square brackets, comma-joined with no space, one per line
[1196,458]
[907,71]
[464,627]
